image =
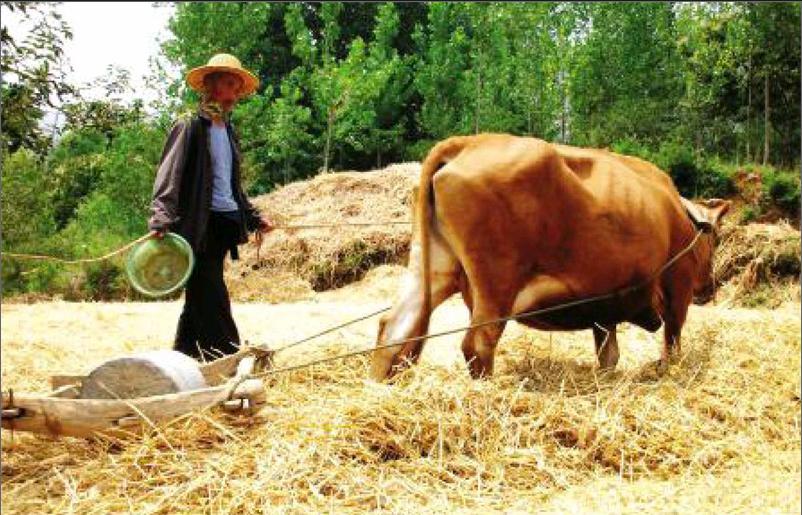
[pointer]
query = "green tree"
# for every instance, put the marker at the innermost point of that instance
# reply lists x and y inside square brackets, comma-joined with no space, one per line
[626,79]
[108,112]
[26,210]
[34,75]
[741,65]
[74,167]
[443,60]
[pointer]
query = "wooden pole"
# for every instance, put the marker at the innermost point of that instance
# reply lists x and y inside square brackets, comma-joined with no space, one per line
[89,417]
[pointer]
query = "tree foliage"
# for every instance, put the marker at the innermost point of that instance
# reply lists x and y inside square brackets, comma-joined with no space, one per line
[701,89]
[34,75]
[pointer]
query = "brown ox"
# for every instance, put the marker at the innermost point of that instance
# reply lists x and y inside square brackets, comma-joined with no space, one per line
[518,224]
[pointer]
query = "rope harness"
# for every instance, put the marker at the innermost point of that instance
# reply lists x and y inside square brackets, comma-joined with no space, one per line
[76,261]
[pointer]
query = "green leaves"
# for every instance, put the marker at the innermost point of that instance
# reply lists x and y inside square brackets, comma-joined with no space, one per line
[34,75]
[360,85]
[26,210]
[373,83]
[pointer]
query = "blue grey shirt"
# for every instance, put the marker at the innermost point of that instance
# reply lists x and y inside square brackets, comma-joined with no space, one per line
[220,149]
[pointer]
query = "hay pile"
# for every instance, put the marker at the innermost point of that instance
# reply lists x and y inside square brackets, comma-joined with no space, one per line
[719,433]
[759,264]
[293,264]
[751,260]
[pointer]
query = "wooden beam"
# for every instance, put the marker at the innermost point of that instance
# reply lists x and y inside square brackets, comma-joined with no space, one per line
[69,391]
[87,417]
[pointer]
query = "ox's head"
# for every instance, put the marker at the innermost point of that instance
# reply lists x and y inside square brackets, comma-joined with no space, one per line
[400,324]
[707,216]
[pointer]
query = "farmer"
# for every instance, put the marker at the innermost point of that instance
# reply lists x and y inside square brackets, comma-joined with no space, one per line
[198,194]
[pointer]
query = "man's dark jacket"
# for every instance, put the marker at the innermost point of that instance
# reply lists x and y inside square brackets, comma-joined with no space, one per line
[182,192]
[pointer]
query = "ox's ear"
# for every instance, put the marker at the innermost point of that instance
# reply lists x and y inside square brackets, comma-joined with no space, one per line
[716,209]
[697,214]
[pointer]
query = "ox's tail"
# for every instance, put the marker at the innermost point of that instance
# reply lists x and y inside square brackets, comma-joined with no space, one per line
[439,155]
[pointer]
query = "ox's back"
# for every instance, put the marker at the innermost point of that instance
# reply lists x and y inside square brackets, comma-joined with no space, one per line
[583,214]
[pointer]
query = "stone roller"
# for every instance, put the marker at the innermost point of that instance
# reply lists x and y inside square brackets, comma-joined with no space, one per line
[144,374]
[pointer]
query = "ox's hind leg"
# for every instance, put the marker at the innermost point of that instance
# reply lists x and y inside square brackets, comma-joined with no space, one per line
[408,318]
[606,346]
[479,343]
[487,306]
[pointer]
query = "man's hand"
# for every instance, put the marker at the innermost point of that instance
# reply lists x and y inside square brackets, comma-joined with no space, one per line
[265,224]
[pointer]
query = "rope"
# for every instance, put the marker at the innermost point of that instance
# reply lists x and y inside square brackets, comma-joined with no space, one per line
[84,260]
[525,314]
[332,329]
[352,224]
[258,242]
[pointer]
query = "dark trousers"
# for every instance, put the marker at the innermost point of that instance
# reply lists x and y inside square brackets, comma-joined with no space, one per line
[206,328]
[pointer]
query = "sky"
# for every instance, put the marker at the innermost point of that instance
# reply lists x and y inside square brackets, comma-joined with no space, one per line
[123,34]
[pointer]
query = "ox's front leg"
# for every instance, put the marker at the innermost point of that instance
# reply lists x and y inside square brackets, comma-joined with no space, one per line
[606,346]
[674,314]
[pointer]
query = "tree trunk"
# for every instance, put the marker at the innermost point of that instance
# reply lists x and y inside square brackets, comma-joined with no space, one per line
[749,108]
[529,122]
[478,97]
[590,133]
[766,122]
[563,114]
[328,142]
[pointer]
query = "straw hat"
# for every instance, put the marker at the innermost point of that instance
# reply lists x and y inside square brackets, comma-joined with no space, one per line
[223,63]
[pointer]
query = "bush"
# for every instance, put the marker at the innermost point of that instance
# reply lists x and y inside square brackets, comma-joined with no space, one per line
[27,214]
[74,167]
[418,150]
[692,175]
[783,190]
[106,281]
[680,163]
[749,214]
[631,147]
[714,181]
[104,194]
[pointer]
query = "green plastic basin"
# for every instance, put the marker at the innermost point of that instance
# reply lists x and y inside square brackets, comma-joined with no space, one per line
[158,267]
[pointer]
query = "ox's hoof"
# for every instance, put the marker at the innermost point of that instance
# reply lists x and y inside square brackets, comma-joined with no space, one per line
[607,368]
[608,359]
[661,366]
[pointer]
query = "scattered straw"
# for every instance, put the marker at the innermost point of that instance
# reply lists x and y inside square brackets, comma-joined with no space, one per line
[720,432]
[547,433]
